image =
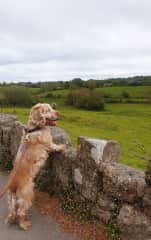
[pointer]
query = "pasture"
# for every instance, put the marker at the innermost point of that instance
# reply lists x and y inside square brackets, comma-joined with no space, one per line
[134,92]
[129,124]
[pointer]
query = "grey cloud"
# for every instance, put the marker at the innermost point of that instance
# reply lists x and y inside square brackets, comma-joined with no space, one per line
[62,39]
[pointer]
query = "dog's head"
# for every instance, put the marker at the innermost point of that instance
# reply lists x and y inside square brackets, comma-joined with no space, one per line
[42,114]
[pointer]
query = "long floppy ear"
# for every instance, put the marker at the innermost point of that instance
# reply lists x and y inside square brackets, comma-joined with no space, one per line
[36,118]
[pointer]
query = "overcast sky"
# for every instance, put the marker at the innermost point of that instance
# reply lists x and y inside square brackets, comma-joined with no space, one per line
[50,40]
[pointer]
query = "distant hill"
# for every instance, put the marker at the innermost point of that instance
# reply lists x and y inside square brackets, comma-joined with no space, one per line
[90,83]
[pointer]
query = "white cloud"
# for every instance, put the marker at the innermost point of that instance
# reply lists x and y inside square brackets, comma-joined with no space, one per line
[62,39]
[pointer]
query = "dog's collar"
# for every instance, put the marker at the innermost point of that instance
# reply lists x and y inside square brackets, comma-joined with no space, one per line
[32,130]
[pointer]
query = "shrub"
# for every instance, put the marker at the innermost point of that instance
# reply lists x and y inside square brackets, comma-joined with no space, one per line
[125,94]
[86,99]
[107,95]
[16,96]
[3,100]
[49,95]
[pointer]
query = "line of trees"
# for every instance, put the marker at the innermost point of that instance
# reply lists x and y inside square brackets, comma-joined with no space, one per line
[82,94]
[79,83]
[17,96]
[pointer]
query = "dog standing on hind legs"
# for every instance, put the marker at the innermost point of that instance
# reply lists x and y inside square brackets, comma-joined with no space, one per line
[32,154]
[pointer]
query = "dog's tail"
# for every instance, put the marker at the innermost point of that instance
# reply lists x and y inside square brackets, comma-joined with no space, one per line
[8,184]
[15,170]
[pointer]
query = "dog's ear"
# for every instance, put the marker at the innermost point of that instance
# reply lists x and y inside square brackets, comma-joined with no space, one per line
[38,105]
[36,118]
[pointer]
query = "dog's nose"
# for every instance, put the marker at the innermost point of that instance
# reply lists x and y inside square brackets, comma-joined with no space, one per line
[58,114]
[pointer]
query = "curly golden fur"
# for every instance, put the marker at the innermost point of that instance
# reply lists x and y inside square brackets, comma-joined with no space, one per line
[32,154]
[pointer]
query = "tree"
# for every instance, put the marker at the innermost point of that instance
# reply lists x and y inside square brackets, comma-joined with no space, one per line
[125,94]
[76,83]
[87,99]
[19,96]
[91,84]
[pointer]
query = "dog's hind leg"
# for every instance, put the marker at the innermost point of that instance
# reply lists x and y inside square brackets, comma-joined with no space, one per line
[12,207]
[24,202]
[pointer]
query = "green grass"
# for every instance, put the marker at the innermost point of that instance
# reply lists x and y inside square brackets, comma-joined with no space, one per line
[32,90]
[134,92]
[129,124]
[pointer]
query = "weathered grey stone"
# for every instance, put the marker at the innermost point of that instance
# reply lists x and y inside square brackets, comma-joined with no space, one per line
[11,132]
[77,176]
[92,153]
[16,134]
[62,166]
[62,162]
[103,208]
[7,119]
[147,201]
[123,183]
[86,176]
[148,173]
[100,150]
[58,170]
[60,136]
[133,224]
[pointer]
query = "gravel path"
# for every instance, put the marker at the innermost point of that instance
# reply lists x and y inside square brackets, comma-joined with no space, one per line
[44,228]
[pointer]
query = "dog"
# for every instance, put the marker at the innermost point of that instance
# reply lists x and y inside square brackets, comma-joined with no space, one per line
[35,146]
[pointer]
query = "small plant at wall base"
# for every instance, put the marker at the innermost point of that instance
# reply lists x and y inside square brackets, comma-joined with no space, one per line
[112,228]
[71,204]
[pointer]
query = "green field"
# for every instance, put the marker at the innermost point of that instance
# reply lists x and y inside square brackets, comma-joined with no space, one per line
[134,92]
[32,90]
[129,124]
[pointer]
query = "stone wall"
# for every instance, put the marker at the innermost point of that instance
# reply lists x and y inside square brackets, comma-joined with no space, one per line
[116,194]
[11,131]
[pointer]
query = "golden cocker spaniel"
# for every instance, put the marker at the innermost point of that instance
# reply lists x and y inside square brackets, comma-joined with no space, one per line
[33,151]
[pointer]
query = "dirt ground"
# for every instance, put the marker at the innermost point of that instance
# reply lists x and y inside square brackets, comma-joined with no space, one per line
[68,222]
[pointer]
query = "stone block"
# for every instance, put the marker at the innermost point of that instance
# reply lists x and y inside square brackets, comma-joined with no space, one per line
[123,183]
[58,169]
[133,224]
[103,208]
[91,155]
[11,132]
[147,201]
[148,173]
